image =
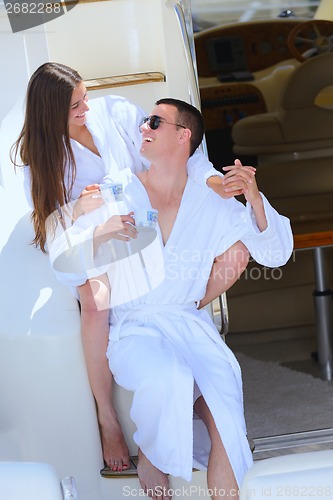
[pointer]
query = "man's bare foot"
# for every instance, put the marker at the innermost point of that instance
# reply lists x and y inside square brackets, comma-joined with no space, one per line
[115,450]
[153,481]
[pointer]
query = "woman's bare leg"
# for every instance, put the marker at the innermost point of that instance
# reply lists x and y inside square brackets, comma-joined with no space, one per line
[94,298]
[220,476]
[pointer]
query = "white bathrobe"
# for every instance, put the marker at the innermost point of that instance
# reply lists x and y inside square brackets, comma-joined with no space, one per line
[161,346]
[113,122]
[159,342]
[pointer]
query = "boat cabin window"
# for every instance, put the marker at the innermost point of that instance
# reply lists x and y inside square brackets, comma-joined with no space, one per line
[210,13]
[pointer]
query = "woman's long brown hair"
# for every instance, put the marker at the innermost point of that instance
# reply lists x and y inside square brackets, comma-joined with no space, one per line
[44,142]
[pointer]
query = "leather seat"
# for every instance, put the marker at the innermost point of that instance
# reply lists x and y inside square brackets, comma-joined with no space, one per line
[299,475]
[300,124]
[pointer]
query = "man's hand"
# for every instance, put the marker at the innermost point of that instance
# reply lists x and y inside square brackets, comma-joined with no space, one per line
[251,191]
[242,176]
[240,179]
[119,227]
[235,182]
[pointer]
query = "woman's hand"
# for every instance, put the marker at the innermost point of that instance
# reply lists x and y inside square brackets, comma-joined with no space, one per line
[89,200]
[235,182]
[238,173]
[241,179]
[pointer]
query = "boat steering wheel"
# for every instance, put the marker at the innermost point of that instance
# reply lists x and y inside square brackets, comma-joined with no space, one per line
[311,38]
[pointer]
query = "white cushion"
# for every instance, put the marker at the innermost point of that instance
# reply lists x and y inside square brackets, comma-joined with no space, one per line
[301,475]
[29,481]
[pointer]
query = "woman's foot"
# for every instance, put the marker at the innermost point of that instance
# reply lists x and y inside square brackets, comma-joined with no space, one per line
[115,450]
[153,481]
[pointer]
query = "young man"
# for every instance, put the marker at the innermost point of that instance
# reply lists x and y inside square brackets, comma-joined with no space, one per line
[161,346]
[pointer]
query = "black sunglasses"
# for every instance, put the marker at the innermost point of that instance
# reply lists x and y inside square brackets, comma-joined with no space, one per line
[155,121]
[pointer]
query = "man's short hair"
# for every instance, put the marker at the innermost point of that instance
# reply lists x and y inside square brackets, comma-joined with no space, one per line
[189,117]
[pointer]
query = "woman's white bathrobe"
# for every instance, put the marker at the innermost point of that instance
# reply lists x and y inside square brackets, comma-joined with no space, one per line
[113,122]
[160,344]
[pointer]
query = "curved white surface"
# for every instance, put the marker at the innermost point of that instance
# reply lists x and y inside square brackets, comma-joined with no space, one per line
[47,409]
[300,475]
[29,481]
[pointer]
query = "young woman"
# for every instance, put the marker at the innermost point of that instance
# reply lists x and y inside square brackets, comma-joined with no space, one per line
[66,153]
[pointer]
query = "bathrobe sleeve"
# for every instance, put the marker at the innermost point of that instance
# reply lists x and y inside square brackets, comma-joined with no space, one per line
[127,117]
[71,245]
[200,168]
[272,247]
[25,172]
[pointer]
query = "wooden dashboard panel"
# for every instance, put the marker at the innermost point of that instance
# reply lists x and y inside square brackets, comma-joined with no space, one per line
[262,44]
[223,105]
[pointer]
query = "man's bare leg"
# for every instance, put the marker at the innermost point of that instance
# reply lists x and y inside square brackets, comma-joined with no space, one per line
[153,481]
[94,298]
[220,476]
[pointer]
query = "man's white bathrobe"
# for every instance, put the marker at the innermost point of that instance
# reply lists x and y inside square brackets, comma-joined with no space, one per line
[159,342]
[161,347]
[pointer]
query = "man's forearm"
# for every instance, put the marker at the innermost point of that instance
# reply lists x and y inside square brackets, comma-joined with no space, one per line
[226,270]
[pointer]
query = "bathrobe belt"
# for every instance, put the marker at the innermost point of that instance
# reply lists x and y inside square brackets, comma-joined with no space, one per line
[119,316]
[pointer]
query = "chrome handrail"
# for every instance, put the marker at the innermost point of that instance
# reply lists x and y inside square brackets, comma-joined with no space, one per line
[194,93]
[68,487]
[189,49]
[185,26]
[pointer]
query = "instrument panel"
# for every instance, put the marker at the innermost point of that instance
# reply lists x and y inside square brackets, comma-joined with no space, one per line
[230,59]
[243,47]
[223,105]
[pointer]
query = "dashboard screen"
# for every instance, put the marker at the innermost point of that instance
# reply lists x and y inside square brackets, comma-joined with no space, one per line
[226,54]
